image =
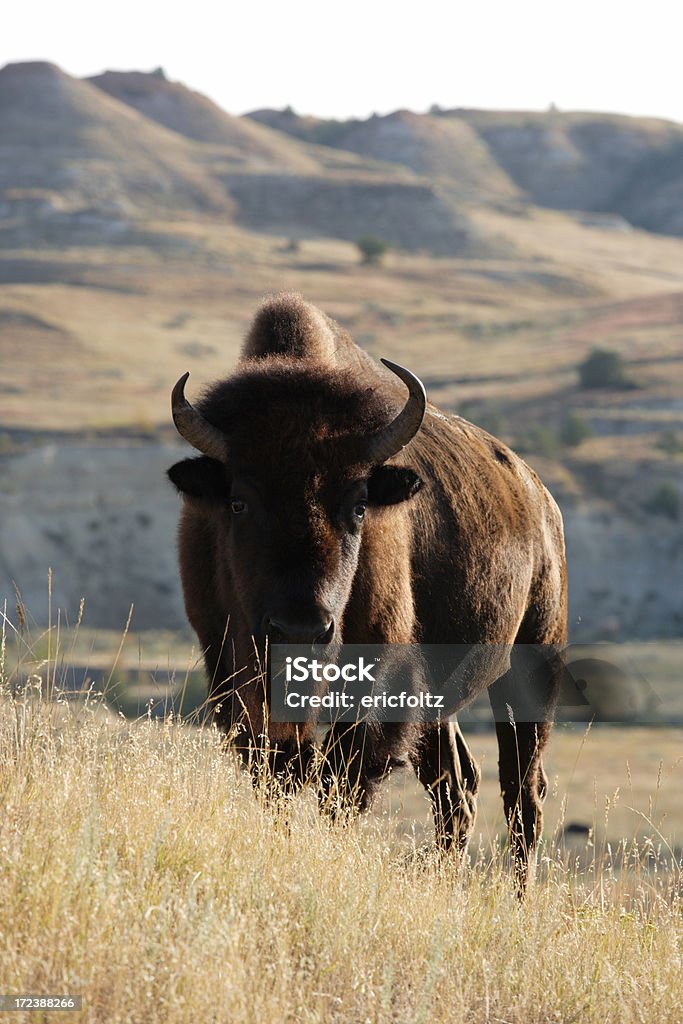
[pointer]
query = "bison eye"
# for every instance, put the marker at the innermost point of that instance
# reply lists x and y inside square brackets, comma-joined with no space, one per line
[359,509]
[238,507]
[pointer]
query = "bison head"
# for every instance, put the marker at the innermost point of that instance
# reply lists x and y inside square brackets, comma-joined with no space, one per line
[293,465]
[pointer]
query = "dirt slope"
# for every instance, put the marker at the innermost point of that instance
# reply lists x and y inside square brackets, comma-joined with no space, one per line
[66,136]
[189,113]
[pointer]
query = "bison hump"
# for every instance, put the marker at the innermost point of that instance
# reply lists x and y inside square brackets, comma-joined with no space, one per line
[287,325]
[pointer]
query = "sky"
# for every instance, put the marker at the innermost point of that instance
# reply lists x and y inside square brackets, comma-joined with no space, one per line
[356,57]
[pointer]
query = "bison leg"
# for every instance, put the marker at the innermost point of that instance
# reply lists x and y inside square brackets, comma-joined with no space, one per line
[528,690]
[523,785]
[445,767]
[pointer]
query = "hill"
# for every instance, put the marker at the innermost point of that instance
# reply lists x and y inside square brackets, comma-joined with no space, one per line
[301,186]
[87,162]
[92,157]
[195,116]
[67,145]
[130,251]
[581,161]
[448,151]
[631,167]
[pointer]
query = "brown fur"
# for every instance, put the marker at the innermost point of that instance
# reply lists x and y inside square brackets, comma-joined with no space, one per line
[476,556]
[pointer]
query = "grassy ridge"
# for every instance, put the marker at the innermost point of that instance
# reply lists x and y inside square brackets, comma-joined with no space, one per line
[138,870]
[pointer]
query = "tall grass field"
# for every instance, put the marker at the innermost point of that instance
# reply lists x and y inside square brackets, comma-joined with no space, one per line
[139,871]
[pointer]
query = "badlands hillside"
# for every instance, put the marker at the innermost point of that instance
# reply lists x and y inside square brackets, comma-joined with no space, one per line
[140,226]
[605,163]
[104,151]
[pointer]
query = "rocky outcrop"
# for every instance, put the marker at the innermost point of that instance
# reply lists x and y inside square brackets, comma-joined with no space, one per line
[625,576]
[628,167]
[103,518]
[409,215]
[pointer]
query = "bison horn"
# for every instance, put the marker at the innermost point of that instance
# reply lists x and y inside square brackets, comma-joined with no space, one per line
[191,425]
[402,430]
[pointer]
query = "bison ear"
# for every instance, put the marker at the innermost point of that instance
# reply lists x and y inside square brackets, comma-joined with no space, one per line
[200,478]
[389,485]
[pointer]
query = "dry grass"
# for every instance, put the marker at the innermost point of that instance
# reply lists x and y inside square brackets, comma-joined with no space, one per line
[138,871]
[120,324]
[621,785]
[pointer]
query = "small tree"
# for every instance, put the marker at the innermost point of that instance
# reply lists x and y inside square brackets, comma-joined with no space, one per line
[372,250]
[603,368]
[665,501]
[574,430]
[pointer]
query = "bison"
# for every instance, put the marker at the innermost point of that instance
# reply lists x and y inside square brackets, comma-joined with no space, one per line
[325,505]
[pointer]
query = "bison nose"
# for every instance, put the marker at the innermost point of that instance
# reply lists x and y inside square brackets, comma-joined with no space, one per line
[313,630]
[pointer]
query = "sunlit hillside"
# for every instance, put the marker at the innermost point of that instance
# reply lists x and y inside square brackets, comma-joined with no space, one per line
[141,226]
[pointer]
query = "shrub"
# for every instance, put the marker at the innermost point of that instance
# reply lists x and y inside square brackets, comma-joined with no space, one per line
[603,368]
[665,501]
[372,249]
[575,430]
[670,442]
[489,420]
[539,440]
